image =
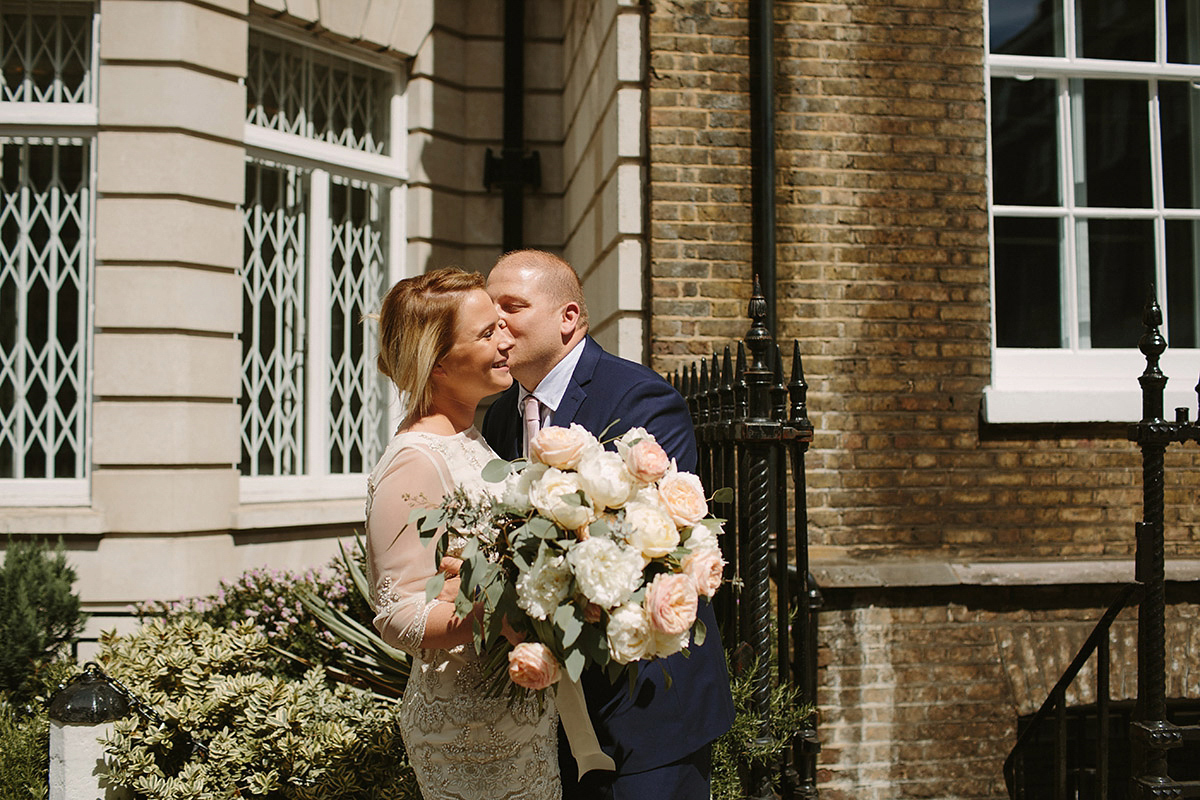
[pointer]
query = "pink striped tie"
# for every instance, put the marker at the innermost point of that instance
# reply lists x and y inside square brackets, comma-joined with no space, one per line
[532,414]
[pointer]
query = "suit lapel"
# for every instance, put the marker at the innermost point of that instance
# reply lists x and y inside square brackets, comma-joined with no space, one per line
[576,392]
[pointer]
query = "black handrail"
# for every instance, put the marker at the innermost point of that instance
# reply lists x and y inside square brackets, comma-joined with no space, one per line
[1057,700]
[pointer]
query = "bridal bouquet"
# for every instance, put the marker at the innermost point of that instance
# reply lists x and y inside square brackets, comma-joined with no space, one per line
[584,555]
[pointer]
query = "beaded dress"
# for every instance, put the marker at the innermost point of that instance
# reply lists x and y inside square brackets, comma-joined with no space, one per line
[462,745]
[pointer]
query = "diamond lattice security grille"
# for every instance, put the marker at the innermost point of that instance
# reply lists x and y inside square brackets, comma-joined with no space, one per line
[357,390]
[273,281]
[46,51]
[317,95]
[44,269]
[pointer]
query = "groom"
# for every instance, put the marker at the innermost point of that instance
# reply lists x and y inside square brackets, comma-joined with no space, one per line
[659,737]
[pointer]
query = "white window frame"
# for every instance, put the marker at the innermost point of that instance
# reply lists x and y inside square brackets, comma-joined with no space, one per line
[31,119]
[1076,383]
[324,160]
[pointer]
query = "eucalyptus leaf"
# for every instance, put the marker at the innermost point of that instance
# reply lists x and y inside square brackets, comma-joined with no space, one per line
[569,620]
[575,663]
[699,633]
[723,495]
[600,528]
[434,586]
[542,528]
[496,470]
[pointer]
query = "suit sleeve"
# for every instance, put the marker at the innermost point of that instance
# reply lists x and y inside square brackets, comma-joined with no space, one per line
[654,404]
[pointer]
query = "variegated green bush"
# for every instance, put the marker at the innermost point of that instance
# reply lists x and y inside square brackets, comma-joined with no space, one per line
[268,736]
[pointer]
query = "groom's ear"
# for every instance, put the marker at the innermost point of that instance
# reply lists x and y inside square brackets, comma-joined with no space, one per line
[570,319]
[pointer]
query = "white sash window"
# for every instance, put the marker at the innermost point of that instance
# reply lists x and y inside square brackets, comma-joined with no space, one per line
[323,196]
[47,124]
[1095,202]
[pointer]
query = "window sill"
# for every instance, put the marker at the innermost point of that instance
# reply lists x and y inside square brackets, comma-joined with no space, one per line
[1007,406]
[305,513]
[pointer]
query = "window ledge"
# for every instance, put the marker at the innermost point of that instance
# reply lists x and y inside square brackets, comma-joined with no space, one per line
[308,513]
[51,520]
[905,573]
[1001,406]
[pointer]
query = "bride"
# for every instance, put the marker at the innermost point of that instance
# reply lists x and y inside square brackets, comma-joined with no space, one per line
[444,347]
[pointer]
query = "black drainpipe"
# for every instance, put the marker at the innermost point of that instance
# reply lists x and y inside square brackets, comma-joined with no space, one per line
[762,150]
[514,169]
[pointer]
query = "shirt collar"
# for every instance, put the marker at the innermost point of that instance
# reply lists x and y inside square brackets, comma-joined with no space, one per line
[552,388]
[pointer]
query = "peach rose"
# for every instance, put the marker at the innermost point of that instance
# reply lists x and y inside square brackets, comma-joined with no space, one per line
[643,455]
[561,447]
[706,568]
[533,666]
[683,495]
[671,600]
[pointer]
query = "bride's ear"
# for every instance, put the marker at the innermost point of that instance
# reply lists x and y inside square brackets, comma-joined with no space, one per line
[438,370]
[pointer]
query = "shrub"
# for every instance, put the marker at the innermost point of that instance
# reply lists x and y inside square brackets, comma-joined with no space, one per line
[39,613]
[268,736]
[25,734]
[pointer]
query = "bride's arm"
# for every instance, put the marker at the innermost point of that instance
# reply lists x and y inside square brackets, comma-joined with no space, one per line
[401,562]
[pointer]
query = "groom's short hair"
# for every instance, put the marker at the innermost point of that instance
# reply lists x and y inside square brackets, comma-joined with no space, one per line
[558,278]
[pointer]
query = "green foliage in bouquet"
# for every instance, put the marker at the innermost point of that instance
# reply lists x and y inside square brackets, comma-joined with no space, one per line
[39,613]
[267,735]
[739,749]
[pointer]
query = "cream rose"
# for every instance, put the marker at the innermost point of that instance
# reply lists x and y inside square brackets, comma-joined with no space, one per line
[549,495]
[671,601]
[650,530]
[706,568]
[605,478]
[630,636]
[533,666]
[668,644]
[561,447]
[643,455]
[683,495]
[606,572]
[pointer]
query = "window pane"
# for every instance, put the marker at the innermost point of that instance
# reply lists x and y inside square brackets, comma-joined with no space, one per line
[1118,279]
[273,283]
[1027,282]
[1116,29]
[1024,142]
[1026,27]
[1179,115]
[358,392]
[47,55]
[1114,146]
[1183,283]
[1183,31]
[44,269]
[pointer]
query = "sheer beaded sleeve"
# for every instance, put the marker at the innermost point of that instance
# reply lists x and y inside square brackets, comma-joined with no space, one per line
[400,561]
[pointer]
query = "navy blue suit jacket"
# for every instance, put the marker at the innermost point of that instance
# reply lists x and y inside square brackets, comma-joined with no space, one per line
[654,725]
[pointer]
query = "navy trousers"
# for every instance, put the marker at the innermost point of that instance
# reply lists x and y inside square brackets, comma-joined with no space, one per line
[689,778]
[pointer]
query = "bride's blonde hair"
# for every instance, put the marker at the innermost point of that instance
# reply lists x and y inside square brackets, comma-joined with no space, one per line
[416,331]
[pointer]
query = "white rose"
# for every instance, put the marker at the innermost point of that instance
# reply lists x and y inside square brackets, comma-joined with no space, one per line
[607,573]
[605,478]
[650,530]
[702,536]
[683,495]
[549,495]
[630,637]
[542,589]
[561,447]
[516,486]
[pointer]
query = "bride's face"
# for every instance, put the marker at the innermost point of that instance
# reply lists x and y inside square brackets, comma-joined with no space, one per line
[477,364]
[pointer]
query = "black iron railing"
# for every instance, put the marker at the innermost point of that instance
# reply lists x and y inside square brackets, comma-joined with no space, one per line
[753,432]
[1151,734]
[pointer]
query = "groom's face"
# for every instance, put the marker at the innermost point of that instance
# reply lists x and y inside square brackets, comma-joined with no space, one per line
[533,318]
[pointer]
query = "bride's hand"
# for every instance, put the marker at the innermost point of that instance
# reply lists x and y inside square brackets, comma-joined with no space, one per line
[450,567]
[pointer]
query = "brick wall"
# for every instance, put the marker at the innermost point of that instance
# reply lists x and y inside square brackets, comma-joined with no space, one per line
[883,277]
